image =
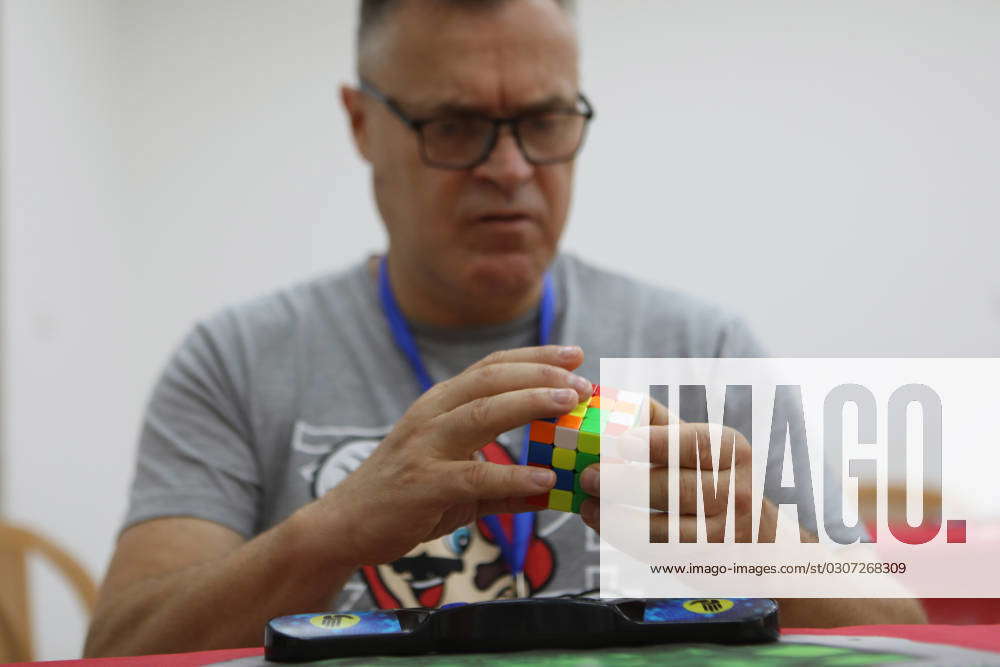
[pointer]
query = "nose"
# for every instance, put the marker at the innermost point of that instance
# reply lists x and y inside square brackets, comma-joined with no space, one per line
[506,165]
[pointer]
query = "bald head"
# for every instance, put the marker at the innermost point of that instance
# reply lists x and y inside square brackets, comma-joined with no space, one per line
[375,15]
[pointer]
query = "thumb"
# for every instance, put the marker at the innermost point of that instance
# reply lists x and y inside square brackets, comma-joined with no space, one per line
[471,481]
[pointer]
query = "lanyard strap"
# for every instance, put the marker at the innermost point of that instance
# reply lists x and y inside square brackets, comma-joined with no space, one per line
[514,548]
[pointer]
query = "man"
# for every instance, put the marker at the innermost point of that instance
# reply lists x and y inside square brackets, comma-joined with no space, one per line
[288,460]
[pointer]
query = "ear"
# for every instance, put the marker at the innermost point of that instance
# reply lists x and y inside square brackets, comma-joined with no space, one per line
[356,109]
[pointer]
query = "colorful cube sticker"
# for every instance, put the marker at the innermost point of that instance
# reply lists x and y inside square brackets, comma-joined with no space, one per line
[564,458]
[571,443]
[561,500]
[566,437]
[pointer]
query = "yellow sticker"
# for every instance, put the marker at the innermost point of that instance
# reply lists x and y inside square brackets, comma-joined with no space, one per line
[709,606]
[335,621]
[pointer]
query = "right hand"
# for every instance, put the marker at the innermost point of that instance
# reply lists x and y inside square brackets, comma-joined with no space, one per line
[423,481]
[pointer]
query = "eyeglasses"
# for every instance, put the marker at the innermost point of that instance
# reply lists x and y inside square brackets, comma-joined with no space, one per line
[464,141]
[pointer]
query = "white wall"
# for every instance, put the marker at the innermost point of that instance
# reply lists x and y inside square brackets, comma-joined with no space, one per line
[826,168]
[70,401]
[833,163]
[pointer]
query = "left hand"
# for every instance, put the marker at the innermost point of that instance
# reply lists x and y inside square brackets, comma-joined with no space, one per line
[735,463]
[796,612]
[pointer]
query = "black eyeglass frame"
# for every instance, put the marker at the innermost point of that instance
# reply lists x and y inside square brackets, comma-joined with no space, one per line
[417,125]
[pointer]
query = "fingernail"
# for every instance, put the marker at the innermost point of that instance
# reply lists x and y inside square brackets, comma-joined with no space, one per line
[565,396]
[634,446]
[590,480]
[544,479]
[568,351]
[581,384]
[638,433]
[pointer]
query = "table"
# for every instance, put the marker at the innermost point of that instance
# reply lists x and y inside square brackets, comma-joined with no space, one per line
[944,644]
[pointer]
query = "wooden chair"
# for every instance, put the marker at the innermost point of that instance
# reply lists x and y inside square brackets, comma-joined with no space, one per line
[17,544]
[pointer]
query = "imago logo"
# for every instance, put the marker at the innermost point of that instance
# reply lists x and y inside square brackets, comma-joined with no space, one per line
[788,451]
[803,477]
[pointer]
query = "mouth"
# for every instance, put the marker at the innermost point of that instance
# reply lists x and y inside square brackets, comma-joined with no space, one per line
[428,591]
[424,584]
[504,218]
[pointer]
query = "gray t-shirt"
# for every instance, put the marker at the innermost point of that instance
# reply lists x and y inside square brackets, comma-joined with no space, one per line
[269,404]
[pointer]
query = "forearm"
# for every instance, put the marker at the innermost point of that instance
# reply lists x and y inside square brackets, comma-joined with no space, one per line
[836,612]
[220,603]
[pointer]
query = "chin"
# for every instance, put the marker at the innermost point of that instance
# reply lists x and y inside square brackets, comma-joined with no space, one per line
[505,273]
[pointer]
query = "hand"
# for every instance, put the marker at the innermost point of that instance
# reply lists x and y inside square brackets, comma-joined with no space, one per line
[422,481]
[734,469]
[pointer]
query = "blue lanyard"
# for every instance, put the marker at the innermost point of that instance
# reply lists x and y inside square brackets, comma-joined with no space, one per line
[513,548]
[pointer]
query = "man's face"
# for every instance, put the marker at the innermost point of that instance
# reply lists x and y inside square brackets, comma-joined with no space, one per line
[492,228]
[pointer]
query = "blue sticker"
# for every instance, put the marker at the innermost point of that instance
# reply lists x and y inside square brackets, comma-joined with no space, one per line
[693,609]
[338,623]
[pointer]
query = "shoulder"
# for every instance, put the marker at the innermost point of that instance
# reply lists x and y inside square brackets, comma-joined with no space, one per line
[268,343]
[651,319]
[288,313]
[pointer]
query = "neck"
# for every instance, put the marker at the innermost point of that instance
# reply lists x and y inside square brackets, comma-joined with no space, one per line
[423,299]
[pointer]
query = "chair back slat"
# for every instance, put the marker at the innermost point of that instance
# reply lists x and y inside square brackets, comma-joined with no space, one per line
[17,545]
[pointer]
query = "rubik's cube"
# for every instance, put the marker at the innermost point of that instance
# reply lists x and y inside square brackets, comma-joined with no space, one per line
[568,444]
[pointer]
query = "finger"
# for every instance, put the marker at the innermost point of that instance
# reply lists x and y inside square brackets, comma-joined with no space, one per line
[635,520]
[715,499]
[714,528]
[590,479]
[495,379]
[694,448]
[565,356]
[460,432]
[659,415]
[632,520]
[590,512]
[475,481]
